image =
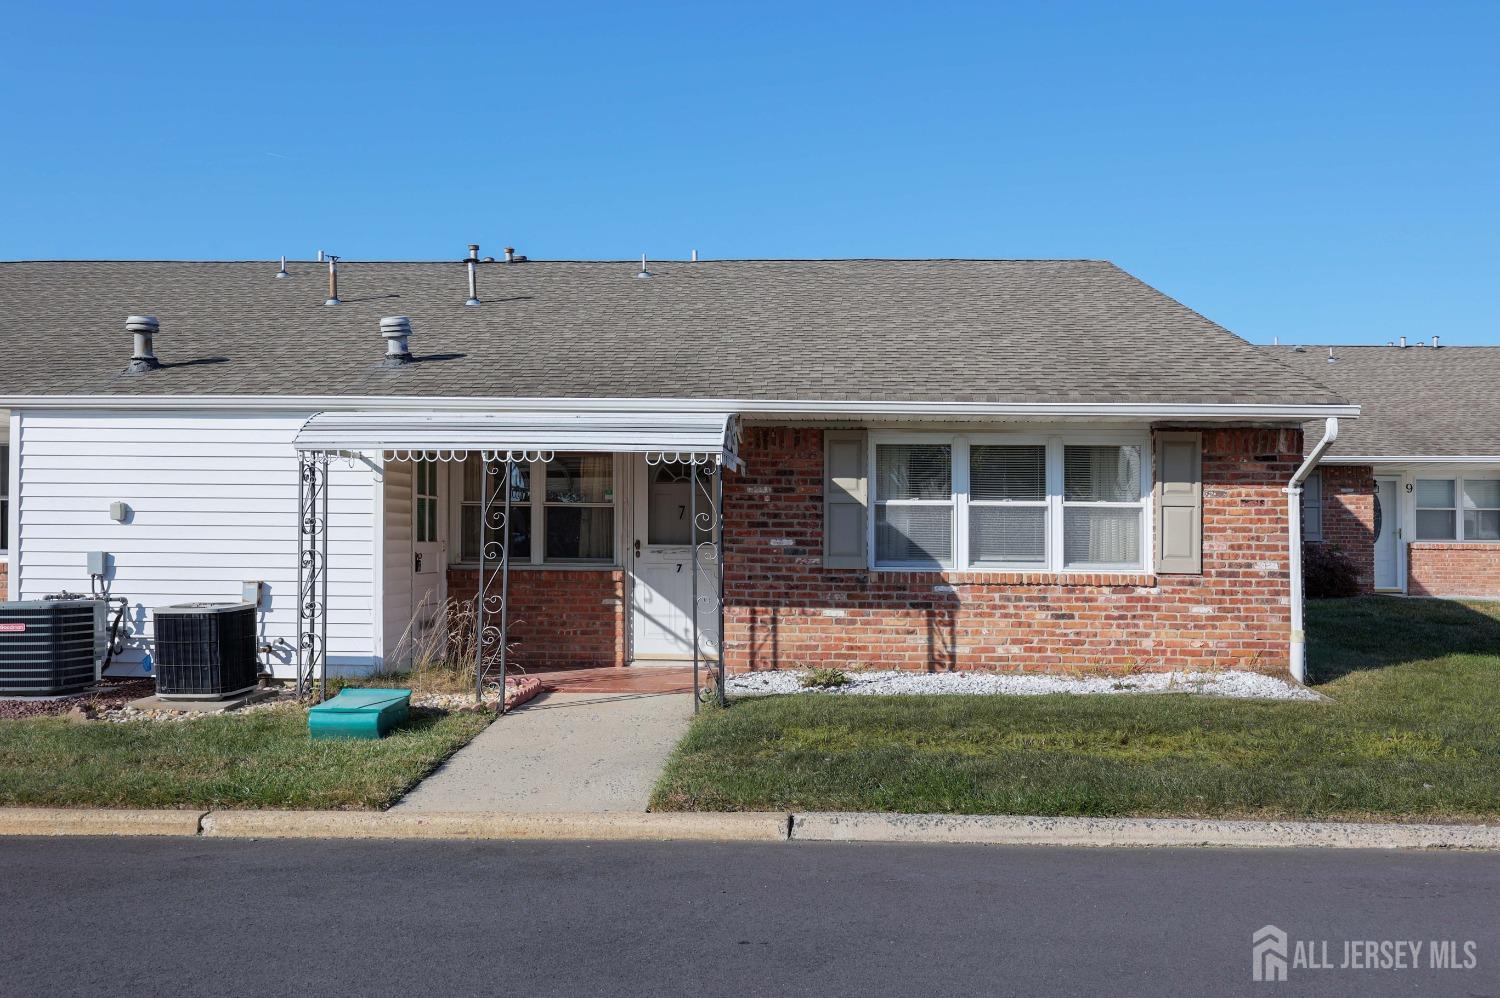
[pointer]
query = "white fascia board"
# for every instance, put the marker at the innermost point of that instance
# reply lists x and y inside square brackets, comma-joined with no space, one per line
[748,407]
[1412,459]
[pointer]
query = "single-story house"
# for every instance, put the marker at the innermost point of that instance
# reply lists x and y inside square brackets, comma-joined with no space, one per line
[1411,492]
[928,464]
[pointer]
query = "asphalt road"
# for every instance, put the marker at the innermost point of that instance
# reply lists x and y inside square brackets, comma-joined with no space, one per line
[191,917]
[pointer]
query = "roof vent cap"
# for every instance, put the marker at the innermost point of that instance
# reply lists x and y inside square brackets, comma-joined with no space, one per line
[143,357]
[397,331]
[471,262]
[282,274]
[1403,343]
[1434,343]
[644,273]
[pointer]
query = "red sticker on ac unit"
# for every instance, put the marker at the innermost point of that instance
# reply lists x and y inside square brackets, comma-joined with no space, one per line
[12,626]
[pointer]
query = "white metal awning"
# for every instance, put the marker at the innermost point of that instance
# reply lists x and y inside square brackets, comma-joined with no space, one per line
[695,437]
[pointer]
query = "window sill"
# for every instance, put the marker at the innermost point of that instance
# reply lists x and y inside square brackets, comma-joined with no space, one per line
[1455,545]
[979,577]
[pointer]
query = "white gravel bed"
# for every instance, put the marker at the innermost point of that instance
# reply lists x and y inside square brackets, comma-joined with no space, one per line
[1237,685]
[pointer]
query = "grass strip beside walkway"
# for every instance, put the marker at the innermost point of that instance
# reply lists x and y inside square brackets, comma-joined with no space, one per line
[260,760]
[1410,734]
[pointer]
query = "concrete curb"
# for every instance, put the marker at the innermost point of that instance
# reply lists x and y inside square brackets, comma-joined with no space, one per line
[96,821]
[749,827]
[740,827]
[1135,832]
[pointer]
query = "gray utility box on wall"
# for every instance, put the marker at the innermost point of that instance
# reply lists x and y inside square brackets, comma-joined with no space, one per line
[205,651]
[48,646]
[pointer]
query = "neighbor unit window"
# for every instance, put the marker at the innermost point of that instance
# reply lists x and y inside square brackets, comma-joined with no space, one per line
[1437,513]
[1024,505]
[574,514]
[1312,507]
[1482,510]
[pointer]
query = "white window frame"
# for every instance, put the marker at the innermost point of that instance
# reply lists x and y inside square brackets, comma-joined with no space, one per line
[1459,483]
[1457,509]
[1055,442]
[1312,506]
[1462,499]
[537,506]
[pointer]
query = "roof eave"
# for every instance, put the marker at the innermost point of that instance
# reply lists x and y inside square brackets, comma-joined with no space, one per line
[800,408]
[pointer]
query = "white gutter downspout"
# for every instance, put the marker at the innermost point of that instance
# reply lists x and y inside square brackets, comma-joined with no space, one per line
[1298,657]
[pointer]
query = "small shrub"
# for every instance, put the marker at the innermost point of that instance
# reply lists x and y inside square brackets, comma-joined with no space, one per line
[823,679]
[1328,573]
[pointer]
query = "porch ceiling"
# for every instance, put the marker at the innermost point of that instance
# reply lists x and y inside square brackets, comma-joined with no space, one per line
[436,435]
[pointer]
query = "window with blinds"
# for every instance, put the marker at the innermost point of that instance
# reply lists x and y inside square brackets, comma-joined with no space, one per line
[987,502]
[914,504]
[571,510]
[1008,504]
[1458,509]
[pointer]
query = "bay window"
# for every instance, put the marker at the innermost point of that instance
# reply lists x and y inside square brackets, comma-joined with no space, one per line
[1009,503]
[572,514]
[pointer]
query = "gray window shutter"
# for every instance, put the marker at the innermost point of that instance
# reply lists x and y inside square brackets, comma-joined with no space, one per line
[1179,502]
[846,491]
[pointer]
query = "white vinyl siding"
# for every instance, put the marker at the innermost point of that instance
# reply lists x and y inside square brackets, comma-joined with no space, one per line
[212,499]
[1010,502]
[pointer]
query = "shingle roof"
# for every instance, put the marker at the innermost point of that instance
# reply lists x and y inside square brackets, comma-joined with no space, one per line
[1418,401]
[847,330]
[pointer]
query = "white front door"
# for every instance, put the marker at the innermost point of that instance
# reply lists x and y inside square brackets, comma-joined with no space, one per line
[429,588]
[662,567]
[1387,534]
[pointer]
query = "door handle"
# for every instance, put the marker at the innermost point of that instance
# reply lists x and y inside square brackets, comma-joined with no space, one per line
[637,548]
[418,567]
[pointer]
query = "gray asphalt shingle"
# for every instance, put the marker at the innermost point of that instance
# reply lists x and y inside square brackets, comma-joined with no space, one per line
[1417,401]
[860,330]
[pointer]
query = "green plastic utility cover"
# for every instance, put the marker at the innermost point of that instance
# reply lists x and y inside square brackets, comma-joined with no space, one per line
[362,713]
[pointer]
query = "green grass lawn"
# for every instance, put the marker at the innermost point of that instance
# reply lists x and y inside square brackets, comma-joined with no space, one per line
[259,760]
[1410,732]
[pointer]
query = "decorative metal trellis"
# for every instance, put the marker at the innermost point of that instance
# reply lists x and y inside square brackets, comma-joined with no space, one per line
[312,572]
[492,595]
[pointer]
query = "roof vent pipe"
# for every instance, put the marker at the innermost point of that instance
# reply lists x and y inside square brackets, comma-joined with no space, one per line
[1434,342]
[397,331]
[280,274]
[1331,358]
[333,280]
[473,264]
[644,272]
[695,256]
[1403,343]
[320,256]
[510,254]
[143,357]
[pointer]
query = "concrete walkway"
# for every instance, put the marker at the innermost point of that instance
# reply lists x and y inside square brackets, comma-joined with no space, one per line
[562,752]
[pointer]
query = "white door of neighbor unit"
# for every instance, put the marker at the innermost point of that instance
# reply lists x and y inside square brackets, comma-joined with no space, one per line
[662,567]
[429,579]
[1387,534]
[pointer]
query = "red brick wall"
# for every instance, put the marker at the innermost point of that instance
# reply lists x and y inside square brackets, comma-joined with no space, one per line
[559,617]
[786,611]
[4,580]
[1449,568]
[1349,517]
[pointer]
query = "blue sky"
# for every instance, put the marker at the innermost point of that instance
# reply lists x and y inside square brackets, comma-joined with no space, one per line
[1313,171]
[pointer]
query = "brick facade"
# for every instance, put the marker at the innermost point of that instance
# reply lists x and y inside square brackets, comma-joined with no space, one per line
[1449,568]
[559,617]
[1349,517]
[786,611]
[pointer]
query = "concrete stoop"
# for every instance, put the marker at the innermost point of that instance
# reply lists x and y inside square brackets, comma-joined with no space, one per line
[750,827]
